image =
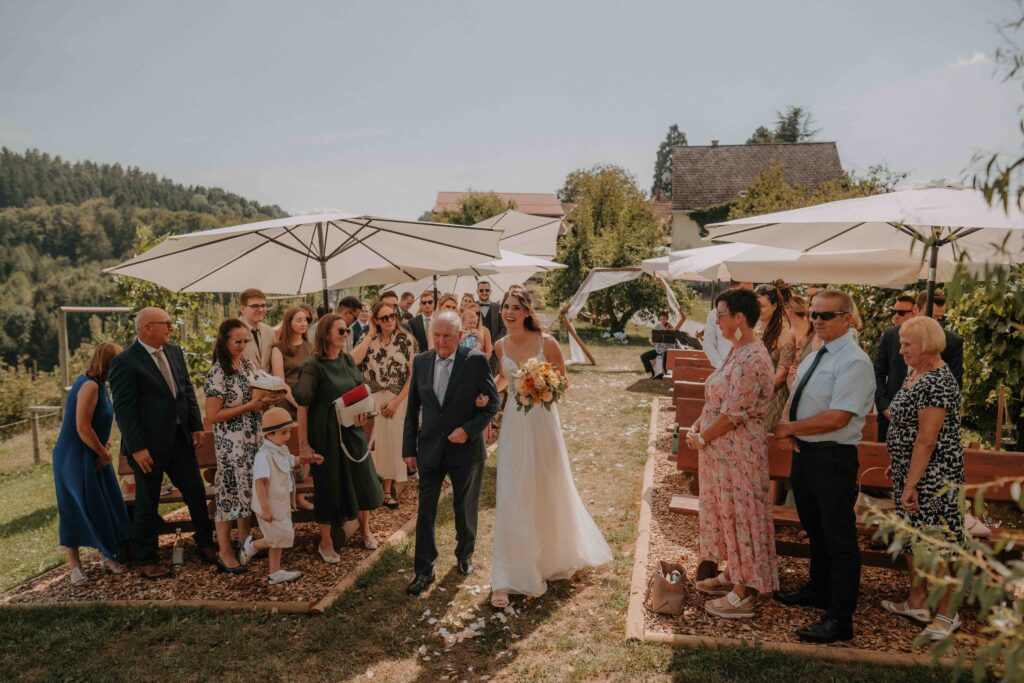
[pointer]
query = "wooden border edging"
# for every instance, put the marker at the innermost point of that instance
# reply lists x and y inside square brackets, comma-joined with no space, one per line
[637,630]
[290,607]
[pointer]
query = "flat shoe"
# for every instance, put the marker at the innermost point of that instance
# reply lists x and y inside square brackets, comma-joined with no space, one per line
[499,599]
[78,577]
[370,542]
[334,558]
[942,627]
[903,609]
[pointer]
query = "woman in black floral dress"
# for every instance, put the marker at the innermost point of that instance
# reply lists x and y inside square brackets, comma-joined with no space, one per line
[927,455]
[384,355]
[236,435]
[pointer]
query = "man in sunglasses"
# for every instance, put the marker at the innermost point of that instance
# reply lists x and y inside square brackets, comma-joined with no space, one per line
[490,315]
[826,412]
[420,324]
[891,369]
[252,313]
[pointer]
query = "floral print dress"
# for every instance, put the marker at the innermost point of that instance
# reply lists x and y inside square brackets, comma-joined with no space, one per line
[735,508]
[386,370]
[235,442]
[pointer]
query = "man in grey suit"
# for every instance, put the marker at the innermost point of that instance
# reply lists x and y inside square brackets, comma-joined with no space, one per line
[444,386]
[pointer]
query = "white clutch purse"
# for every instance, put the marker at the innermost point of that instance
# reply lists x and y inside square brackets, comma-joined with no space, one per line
[352,403]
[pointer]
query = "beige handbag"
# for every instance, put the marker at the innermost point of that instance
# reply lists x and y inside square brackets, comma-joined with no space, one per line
[664,596]
[866,502]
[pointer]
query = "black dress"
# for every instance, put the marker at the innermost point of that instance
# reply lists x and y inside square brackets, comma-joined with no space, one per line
[937,389]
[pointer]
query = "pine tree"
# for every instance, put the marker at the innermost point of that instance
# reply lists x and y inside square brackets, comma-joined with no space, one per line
[663,162]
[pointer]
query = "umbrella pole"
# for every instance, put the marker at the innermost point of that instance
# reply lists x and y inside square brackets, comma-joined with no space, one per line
[933,265]
[323,283]
[435,290]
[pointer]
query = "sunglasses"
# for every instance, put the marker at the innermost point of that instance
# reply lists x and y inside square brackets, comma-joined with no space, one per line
[901,311]
[427,302]
[387,318]
[825,315]
[484,291]
[939,302]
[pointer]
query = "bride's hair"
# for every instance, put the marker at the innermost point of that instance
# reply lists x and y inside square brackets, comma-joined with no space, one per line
[522,297]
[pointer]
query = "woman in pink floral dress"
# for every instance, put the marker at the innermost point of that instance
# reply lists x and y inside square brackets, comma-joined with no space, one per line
[735,508]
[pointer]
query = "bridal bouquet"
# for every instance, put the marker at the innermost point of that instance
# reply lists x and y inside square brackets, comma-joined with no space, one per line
[538,383]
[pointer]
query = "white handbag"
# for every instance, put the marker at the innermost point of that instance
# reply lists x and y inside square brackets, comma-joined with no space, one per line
[347,407]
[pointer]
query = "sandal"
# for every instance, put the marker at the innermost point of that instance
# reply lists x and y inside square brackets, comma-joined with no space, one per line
[499,599]
[390,502]
[942,627]
[716,585]
[903,609]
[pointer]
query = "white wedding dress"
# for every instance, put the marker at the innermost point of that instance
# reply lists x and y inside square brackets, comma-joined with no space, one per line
[542,530]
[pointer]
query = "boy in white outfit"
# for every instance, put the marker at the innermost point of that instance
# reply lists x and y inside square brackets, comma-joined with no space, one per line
[272,486]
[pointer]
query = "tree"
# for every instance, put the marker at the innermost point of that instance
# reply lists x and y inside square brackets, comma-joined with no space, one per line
[473,208]
[663,163]
[793,125]
[612,226]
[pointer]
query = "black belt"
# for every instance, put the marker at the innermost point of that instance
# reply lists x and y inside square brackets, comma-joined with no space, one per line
[822,445]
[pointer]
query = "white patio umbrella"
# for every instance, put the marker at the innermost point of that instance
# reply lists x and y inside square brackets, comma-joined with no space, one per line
[510,269]
[880,268]
[946,219]
[309,253]
[712,262]
[526,234]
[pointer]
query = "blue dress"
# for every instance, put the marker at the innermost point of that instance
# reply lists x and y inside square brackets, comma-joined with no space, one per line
[89,502]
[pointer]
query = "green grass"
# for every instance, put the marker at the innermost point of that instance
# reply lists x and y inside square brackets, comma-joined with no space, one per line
[28,524]
[573,633]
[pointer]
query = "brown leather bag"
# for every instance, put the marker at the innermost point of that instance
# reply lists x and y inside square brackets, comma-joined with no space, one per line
[663,596]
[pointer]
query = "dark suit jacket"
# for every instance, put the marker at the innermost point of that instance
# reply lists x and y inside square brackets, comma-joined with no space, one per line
[358,330]
[419,331]
[146,412]
[492,320]
[891,370]
[470,377]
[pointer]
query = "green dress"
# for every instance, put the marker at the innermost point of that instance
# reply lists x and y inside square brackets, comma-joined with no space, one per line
[341,488]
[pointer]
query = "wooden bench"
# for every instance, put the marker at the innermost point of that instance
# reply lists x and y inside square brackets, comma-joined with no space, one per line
[207,461]
[676,359]
[980,466]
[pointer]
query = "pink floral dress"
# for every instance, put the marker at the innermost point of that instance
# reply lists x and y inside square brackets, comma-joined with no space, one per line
[735,508]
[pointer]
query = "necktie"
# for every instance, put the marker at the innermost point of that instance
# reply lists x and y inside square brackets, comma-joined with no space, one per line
[441,375]
[256,337]
[803,383]
[165,370]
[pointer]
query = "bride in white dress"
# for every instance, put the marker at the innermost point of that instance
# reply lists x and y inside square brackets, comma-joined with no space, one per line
[542,530]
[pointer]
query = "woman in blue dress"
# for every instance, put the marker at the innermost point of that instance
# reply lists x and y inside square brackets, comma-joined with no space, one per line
[89,502]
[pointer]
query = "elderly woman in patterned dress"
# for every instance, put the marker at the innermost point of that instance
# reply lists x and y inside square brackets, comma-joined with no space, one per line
[927,455]
[735,508]
[236,435]
[384,355]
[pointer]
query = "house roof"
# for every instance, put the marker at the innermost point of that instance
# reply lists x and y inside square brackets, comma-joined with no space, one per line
[704,176]
[533,203]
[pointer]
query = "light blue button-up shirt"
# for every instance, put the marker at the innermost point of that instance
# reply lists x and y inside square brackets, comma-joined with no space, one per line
[843,380]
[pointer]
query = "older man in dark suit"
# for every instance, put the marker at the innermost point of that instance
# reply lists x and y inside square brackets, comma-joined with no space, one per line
[445,384]
[158,415]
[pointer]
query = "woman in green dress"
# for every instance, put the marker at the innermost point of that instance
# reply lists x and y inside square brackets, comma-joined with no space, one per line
[342,489]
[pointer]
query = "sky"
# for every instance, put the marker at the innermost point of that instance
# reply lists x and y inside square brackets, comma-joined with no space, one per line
[373,107]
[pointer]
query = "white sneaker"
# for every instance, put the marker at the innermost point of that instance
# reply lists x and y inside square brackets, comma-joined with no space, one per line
[247,550]
[282,576]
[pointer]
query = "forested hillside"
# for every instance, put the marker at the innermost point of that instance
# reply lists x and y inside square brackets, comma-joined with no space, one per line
[62,223]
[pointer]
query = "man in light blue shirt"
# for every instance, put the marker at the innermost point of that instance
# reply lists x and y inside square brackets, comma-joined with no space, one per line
[834,390]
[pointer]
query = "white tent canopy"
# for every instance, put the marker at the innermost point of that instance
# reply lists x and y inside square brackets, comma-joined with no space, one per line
[938,219]
[310,253]
[526,234]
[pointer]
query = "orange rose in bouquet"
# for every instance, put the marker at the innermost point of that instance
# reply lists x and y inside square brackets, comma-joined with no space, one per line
[538,383]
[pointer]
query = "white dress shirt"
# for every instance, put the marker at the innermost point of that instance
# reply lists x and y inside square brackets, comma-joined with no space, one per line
[716,347]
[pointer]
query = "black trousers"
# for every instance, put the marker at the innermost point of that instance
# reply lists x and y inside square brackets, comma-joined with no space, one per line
[180,465]
[466,480]
[647,358]
[824,479]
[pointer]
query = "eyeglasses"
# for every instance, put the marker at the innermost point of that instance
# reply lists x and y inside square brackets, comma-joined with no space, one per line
[825,315]
[901,311]
[240,342]
[387,318]
[256,306]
